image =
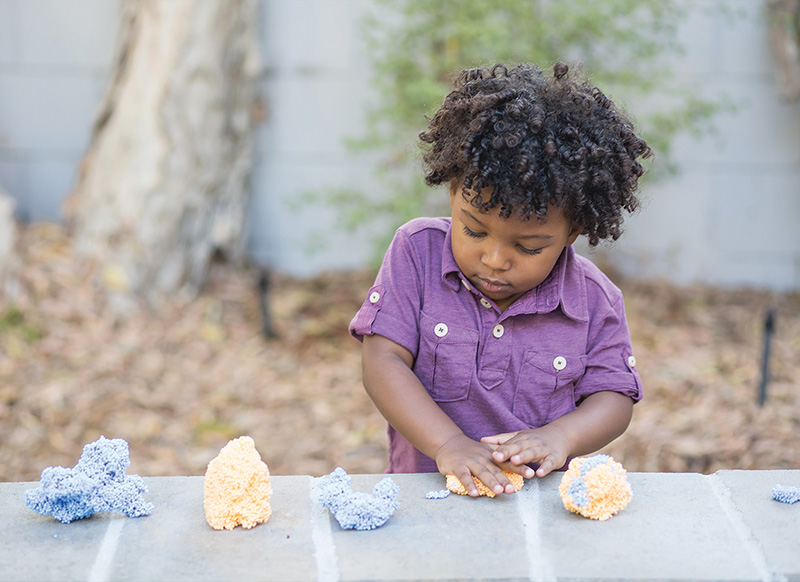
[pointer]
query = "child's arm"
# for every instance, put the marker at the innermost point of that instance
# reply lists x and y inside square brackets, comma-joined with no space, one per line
[407,406]
[598,420]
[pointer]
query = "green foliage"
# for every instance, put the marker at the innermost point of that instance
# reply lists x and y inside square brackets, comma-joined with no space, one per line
[14,322]
[417,46]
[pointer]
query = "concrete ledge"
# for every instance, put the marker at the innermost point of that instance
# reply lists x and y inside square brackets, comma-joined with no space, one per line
[680,526]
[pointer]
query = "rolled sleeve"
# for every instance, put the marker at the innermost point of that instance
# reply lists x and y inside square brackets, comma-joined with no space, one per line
[610,361]
[392,305]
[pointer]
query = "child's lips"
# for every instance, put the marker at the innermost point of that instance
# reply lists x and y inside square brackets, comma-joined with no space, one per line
[493,285]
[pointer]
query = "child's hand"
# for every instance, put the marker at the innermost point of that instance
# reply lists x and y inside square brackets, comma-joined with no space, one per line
[463,457]
[546,446]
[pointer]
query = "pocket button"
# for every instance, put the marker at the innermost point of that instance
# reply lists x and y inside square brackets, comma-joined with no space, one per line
[440,330]
[632,361]
[374,297]
[560,363]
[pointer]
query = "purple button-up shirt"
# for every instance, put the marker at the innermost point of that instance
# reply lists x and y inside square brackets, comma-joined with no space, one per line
[492,371]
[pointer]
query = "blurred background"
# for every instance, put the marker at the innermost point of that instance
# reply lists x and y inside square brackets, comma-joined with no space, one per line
[193,195]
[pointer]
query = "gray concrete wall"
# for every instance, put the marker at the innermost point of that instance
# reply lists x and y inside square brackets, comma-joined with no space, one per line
[54,61]
[728,217]
[316,86]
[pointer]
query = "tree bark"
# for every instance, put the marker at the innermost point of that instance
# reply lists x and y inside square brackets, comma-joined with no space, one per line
[783,20]
[164,183]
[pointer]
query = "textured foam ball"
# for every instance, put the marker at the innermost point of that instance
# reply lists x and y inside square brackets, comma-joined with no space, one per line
[595,487]
[237,490]
[454,485]
[97,483]
[356,509]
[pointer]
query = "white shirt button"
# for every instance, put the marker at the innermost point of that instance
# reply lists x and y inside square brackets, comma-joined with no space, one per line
[560,363]
[440,330]
[374,297]
[631,361]
[485,303]
[464,281]
[498,330]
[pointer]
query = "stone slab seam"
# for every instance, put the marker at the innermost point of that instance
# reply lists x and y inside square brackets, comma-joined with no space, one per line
[743,531]
[528,502]
[322,537]
[101,568]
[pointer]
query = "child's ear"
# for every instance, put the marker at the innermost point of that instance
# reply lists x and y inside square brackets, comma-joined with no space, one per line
[574,233]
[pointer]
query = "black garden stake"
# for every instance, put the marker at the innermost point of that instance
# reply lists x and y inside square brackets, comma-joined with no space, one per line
[769,329]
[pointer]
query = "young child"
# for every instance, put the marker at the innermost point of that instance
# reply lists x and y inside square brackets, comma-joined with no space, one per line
[489,344]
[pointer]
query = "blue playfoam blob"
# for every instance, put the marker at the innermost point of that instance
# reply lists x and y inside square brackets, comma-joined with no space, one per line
[440,494]
[96,484]
[786,494]
[354,509]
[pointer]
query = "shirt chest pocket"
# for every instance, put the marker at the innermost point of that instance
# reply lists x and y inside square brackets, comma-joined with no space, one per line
[446,360]
[545,389]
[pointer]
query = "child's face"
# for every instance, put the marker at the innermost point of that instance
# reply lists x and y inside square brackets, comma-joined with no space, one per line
[505,257]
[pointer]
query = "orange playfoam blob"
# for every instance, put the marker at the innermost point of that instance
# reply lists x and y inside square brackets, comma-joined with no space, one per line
[237,490]
[454,485]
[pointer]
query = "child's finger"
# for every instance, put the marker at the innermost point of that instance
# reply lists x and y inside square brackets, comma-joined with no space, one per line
[469,484]
[510,449]
[523,470]
[525,454]
[547,466]
[465,477]
[498,439]
[499,457]
[495,480]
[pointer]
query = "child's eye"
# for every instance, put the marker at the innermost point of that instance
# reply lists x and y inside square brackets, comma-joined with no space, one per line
[530,251]
[472,233]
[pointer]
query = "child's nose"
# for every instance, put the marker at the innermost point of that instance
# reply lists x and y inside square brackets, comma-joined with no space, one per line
[496,258]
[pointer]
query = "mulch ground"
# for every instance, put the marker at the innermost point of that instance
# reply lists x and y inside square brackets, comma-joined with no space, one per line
[178,383]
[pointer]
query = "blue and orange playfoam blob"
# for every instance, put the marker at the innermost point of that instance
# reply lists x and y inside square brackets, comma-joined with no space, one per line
[595,487]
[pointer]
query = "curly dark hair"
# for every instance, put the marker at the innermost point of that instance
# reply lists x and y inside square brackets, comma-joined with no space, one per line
[537,140]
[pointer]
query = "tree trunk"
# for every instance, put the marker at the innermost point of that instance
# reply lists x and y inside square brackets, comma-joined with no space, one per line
[783,20]
[164,184]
